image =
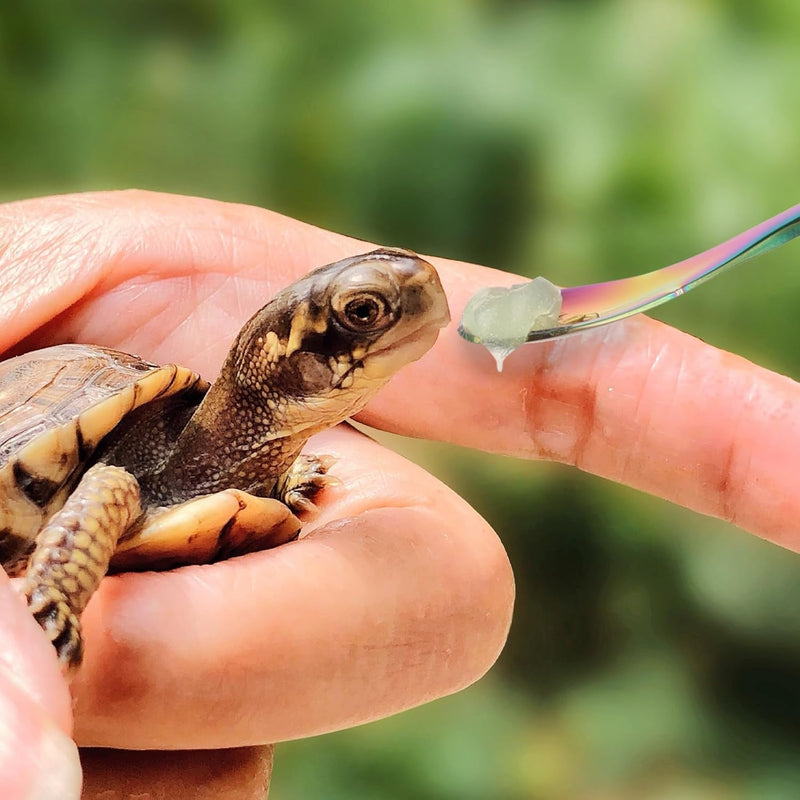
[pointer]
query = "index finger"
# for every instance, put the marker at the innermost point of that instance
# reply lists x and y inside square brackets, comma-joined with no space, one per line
[637,402]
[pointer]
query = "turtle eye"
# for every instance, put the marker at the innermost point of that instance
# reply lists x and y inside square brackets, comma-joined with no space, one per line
[364,312]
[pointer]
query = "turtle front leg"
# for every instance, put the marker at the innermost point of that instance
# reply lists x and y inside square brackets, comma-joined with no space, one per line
[305,477]
[72,554]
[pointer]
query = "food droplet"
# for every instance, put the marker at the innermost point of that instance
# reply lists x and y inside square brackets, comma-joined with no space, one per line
[500,354]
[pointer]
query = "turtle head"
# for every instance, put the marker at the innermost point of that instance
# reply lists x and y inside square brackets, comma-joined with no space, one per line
[327,343]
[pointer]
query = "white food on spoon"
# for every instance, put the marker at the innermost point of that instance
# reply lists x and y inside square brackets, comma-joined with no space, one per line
[500,318]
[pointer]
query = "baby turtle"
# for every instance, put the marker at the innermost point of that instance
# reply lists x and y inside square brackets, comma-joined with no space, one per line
[109,462]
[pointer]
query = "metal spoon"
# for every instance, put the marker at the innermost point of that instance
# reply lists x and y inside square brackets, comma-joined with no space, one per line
[592,305]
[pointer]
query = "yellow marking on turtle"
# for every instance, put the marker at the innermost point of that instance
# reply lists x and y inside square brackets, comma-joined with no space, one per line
[273,347]
[99,419]
[96,421]
[304,320]
[17,513]
[337,367]
[53,454]
[206,529]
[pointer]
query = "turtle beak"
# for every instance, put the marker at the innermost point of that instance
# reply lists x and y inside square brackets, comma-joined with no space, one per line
[438,311]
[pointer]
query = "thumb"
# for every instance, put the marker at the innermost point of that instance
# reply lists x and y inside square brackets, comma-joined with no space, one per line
[38,759]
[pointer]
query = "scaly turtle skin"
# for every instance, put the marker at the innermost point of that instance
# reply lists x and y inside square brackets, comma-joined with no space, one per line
[108,462]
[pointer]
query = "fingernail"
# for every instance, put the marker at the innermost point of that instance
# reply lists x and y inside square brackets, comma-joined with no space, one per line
[59,773]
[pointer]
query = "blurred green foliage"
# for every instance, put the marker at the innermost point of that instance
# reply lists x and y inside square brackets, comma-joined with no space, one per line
[654,653]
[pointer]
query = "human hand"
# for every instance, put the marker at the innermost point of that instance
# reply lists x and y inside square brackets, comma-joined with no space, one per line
[411,598]
[399,593]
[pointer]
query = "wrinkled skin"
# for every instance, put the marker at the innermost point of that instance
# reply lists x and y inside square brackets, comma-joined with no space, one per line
[401,593]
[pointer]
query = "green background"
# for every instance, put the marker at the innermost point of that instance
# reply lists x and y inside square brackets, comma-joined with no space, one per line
[654,653]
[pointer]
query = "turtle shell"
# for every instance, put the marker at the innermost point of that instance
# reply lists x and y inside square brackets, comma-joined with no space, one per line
[56,406]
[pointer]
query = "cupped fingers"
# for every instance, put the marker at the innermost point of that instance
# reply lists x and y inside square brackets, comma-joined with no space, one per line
[400,593]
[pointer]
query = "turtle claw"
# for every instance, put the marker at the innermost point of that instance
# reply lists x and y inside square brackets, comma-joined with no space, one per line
[307,476]
[300,504]
[61,626]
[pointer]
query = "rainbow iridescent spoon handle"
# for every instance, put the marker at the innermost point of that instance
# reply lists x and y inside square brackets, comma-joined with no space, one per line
[600,303]
[584,307]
